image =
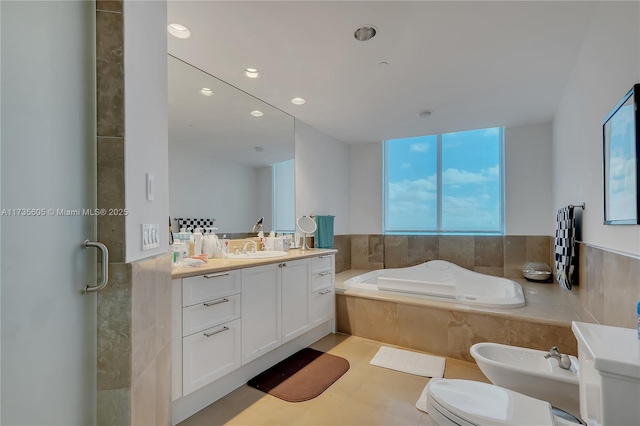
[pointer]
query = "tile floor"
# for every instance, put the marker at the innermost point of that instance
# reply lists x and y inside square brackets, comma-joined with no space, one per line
[365,395]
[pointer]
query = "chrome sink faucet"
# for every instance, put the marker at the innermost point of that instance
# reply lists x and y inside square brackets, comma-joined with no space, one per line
[563,359]
[254,247]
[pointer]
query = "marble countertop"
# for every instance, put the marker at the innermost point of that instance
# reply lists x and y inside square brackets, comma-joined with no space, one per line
[544,302]
[217,265]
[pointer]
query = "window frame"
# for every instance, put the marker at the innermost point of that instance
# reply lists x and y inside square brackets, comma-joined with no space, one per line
[439,230]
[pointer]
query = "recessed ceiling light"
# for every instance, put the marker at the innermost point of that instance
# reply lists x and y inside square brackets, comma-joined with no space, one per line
[365,33]
[251,72]
[424,114]
[178,30]
[298,101]
[258,148]
[206,91]
[257,113]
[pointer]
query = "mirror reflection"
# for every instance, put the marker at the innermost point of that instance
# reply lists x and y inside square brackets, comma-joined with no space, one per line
[227,161]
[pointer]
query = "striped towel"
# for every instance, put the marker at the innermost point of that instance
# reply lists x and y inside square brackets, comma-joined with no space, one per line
[565,240]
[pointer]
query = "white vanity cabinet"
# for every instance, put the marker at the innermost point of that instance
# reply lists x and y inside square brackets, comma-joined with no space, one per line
[295,298]
[223,321]
[322,290]
[262,310]
[206,329]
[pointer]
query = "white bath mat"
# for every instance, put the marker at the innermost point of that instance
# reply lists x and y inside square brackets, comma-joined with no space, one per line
[421,403]
[409,362]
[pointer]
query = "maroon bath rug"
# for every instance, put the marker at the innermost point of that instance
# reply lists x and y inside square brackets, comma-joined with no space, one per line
[302,376]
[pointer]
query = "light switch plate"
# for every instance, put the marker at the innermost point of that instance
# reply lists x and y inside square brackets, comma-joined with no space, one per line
[150,236]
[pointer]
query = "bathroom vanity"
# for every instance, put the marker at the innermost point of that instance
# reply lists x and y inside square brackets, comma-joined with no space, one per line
[232,319]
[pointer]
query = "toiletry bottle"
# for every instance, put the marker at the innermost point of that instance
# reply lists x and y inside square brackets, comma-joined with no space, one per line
[197,241]
[191,245]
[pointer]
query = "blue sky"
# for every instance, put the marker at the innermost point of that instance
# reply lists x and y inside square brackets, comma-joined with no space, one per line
[470,182]
[621,193]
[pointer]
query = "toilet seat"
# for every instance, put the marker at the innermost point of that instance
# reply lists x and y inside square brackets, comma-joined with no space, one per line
[466,402]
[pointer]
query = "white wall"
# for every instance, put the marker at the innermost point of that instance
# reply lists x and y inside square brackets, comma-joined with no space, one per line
[146,133]
[322,176]
[528,183]
[366,188]
[607,67]
[202,187]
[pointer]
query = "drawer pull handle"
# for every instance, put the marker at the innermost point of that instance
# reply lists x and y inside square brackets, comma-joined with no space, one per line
[216,302]
[282,265]
[322,274]
[324,291]
[221,274]
[216,332]
[325,256]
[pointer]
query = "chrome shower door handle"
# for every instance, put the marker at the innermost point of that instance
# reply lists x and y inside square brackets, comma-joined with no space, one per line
[105,266]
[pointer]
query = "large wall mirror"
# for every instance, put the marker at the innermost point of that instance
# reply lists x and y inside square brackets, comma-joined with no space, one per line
[231,155]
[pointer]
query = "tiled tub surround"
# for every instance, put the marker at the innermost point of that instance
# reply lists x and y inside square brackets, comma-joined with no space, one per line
[449,329]
[501,256]
[607,284]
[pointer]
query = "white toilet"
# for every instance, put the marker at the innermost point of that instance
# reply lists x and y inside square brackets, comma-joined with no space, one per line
[609,387]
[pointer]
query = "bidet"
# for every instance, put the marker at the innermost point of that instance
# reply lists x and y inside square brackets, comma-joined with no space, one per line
[528,371]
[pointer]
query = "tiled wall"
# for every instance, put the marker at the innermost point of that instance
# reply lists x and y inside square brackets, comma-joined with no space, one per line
[441,331]
[493,255]
[134,310]
[608,287]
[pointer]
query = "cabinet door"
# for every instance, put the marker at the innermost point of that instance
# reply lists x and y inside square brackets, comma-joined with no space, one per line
[321,306]
[295,298]
[261,310]
[209,355]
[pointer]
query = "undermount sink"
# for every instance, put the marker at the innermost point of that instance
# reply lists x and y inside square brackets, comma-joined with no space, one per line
[256,255]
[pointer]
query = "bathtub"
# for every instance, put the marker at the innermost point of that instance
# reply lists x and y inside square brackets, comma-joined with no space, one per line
[442,280]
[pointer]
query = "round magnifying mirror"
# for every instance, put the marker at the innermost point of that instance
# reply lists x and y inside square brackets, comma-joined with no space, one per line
[307,225]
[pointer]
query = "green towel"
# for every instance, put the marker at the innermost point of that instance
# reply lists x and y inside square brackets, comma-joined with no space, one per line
[324,232]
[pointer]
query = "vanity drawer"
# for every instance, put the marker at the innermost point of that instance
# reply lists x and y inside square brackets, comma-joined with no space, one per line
[210,286]
[321,306]
[210,355]
[321,279]
[321,262]
[210,313]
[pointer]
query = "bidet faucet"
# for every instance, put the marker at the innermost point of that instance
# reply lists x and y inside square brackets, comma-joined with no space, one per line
[563,360]
[253,248]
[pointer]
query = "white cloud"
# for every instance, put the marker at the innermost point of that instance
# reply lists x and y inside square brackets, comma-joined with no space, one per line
[419,147]
[461,177]
[413,190]
[472,213]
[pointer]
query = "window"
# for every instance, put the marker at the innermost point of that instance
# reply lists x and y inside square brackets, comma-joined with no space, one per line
[448,183]
[284,206]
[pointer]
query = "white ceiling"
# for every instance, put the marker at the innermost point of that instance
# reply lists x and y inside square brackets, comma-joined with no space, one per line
[475,64]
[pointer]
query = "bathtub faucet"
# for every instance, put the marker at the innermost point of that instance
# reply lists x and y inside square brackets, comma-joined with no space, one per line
[563,360]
